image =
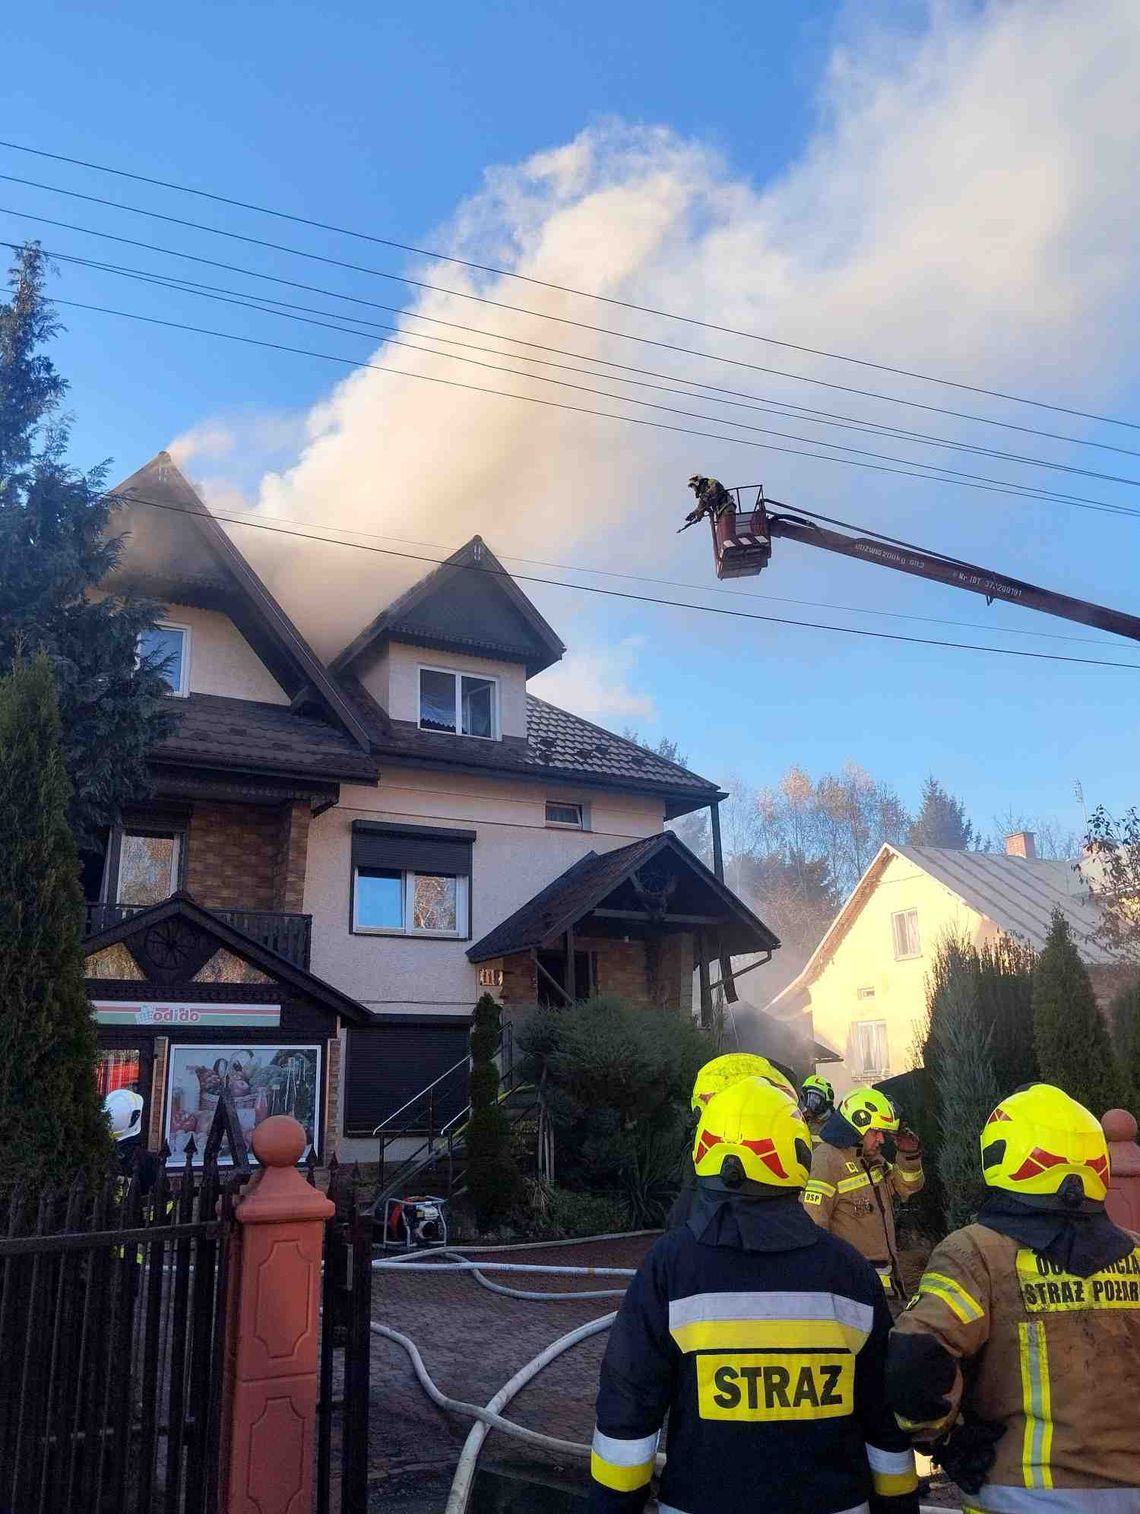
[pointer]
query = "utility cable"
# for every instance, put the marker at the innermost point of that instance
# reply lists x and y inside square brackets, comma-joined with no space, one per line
[244,300]
[671,604]
[932,473]
[479,299]
[604,299]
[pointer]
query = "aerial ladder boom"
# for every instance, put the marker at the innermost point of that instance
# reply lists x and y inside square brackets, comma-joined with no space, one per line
[742,541]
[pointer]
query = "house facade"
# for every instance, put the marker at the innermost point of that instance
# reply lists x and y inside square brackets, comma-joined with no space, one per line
[339,855]
[864,986]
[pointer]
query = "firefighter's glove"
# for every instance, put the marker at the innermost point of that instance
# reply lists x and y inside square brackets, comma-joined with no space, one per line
[920,1373]
[967,1453]
[907,1143]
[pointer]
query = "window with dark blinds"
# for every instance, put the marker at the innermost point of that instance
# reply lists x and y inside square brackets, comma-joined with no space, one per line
[411,848]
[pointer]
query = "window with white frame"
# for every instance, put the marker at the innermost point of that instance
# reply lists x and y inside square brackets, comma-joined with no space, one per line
[411,880]
[904,925]
[408,903]
[462,704]
[568,817]
[869,1057]
[167,649]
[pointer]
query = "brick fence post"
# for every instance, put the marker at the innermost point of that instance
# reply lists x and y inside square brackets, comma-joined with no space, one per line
[1123,1201]
[274,1325]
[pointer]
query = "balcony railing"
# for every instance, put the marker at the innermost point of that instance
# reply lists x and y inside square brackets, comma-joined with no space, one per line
[290,936]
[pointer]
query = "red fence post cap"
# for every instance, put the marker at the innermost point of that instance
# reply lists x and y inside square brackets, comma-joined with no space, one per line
[280,1141]
[1118,1125]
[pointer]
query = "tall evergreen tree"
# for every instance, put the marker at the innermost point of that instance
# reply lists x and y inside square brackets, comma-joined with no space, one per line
[492,1174]
[1126,1038]
[1073,1046]
[1005,998]
[941,820]
[54,548]
[959,1058]
[51,1123]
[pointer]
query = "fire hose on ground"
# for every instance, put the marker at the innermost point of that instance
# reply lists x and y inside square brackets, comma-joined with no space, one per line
[488,1417]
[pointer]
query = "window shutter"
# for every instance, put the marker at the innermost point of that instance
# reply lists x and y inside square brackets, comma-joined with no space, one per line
[393,1060]
[411,848]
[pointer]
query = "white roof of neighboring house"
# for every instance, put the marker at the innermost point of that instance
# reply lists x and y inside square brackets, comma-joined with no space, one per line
[1018,894]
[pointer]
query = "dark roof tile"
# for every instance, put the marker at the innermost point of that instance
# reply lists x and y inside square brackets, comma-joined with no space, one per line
[214,731]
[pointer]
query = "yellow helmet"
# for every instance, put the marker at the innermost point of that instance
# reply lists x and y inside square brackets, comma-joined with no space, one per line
[757,1123]
[1038,1138]
[870,1109]
[723,1072]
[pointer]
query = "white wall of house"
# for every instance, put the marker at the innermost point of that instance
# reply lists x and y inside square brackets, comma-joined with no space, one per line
[515,854]
[865,983]
[221,660]
[392,678]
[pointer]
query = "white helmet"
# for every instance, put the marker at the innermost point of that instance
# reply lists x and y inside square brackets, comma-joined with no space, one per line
[124,1111]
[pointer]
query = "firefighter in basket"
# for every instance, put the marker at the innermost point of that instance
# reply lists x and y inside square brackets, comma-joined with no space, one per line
[760,1336]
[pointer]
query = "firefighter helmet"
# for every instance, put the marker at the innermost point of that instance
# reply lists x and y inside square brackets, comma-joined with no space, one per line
[1038,1139]
[723,1072]
[870,1109]
[756,1127]
[816,1095]
[123,1109]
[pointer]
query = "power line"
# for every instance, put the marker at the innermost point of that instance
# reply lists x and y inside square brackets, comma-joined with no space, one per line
[549,284]
[673,583]
[245,300]
[522,310]
[672,604]
[932,475]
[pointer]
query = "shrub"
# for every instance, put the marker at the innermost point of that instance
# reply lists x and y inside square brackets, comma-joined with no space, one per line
[1073,1046]
[1126,1038]
[561,1212]
[616,1080]
[492,1175]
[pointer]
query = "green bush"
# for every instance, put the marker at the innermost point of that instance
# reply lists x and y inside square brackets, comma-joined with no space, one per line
[616,1079]
[561,1212]
[1126,1038]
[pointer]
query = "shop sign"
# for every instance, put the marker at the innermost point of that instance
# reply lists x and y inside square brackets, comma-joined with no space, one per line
[264,1081]
[170,1015]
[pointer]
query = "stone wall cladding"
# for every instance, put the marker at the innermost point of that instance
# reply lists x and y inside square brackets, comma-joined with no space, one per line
[332,1099]
[232,854]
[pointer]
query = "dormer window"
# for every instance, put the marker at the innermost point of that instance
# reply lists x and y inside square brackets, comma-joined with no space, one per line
[167,647]
[462,704]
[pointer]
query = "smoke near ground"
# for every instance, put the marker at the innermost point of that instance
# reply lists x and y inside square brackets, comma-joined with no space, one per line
[954,180]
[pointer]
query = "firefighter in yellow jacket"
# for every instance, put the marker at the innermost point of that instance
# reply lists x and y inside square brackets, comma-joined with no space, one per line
[1023,1340]
[852,1187]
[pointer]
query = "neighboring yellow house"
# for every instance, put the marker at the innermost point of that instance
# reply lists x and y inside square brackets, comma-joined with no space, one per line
[864,986]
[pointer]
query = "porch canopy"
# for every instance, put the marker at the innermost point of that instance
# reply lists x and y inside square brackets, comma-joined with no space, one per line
[650,889]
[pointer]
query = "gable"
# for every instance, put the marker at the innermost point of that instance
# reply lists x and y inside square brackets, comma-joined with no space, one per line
[471,604]
[174,551]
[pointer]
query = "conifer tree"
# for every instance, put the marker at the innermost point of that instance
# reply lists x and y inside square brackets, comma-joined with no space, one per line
[54,547]
[51,1122]
[1126,1038]
[1005,996]
[492,1174]
[1073,1046]
[959,1056]
[941,820]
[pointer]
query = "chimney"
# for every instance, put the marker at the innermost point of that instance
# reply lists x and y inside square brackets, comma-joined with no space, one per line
[1021,844]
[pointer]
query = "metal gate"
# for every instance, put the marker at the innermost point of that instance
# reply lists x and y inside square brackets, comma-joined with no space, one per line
[346,1341]
[112,1320]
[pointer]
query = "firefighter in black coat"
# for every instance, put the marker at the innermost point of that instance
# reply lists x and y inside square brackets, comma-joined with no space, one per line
[761,1336]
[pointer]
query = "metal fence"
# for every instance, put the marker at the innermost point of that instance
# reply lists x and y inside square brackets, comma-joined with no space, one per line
[112,1321]
[346,1344]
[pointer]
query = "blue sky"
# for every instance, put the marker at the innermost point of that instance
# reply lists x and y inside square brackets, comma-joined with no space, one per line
[853,179]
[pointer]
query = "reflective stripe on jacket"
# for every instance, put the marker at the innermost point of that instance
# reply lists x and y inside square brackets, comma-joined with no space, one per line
[853,1197]
[1055,1358]
[769,1365]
